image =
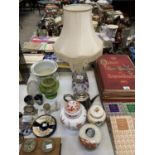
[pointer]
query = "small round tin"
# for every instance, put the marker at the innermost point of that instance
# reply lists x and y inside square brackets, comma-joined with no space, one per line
[29,145]
[47,145]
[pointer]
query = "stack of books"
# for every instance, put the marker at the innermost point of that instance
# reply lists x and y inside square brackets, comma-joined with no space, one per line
[115,75]
[29,47]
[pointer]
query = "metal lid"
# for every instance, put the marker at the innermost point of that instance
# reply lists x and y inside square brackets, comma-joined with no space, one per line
[81,96]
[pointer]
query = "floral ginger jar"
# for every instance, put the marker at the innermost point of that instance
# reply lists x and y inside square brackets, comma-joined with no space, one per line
[73,115]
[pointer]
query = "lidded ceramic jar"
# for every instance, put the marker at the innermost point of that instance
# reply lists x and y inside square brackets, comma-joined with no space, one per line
[96,115]
[73,115]
[90,136]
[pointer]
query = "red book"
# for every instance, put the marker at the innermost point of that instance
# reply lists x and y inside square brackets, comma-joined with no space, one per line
[116,77]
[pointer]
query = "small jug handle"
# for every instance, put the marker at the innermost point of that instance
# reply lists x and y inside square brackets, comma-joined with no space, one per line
[68,97]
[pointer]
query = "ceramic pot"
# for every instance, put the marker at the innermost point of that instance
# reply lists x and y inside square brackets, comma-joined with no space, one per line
[73,115]
[90,136]
[38,99]
[29,100]
[96,115]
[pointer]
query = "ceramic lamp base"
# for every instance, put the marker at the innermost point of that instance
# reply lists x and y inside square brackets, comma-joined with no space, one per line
[80,82]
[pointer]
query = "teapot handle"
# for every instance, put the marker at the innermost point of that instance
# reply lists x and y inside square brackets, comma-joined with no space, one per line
[68,97]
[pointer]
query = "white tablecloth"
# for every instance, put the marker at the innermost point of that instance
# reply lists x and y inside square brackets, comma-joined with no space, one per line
[70,142]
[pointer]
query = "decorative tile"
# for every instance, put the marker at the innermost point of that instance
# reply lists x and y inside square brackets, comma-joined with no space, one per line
[119,108]
[122,124]
[131,107]
[113,108]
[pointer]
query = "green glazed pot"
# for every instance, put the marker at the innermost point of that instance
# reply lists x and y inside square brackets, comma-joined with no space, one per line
[49,86]
[48,82]
[50,96]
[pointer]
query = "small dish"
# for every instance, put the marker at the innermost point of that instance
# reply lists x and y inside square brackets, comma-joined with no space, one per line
[47,145]
[29,145]
[44,126]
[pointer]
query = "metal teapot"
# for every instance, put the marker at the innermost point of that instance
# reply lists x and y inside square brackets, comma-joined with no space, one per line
[83,98]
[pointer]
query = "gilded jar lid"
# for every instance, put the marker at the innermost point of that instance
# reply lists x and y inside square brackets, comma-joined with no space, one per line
[73,108]
[96,111]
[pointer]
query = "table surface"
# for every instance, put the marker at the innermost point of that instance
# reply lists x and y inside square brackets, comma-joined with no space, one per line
[70,141]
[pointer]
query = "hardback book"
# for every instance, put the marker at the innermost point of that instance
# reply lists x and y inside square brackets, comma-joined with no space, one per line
[115,76]
[122,129]
[32,58]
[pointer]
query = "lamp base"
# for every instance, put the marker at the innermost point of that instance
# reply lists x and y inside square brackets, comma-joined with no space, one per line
[80,82]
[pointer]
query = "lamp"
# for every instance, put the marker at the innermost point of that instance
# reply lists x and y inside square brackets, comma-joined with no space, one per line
[78,44]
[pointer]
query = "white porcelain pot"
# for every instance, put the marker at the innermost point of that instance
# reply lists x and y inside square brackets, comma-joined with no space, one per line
[73,115]
[44,68]
[90,136]
[96,115]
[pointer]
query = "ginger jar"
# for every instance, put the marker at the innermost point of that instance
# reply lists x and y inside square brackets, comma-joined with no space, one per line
[96,115]
[73,115]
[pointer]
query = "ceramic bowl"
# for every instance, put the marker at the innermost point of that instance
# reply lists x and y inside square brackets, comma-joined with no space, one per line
[44,68]
[44,126]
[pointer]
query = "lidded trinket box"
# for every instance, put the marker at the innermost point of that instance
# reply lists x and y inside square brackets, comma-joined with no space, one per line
[96,115]
[90,136]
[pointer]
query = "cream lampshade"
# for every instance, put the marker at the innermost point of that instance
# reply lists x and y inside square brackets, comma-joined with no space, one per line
[78,43]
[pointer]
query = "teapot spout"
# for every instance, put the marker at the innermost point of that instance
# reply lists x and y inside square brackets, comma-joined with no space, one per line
[93,99]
